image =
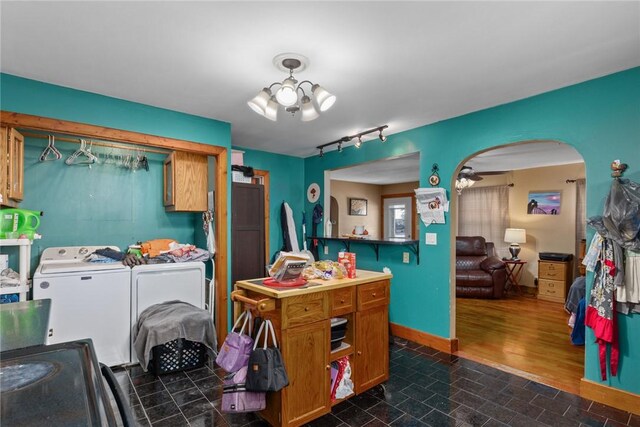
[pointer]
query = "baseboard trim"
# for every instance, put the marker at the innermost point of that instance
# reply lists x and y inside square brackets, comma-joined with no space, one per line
[441,344]
[601,393]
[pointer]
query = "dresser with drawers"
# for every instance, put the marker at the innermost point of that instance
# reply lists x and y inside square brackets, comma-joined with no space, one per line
[554,279]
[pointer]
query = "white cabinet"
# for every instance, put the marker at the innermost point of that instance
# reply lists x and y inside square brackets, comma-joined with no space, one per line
[25,267]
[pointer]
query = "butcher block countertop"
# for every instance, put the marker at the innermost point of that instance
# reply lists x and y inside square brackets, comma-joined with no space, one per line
[314,285]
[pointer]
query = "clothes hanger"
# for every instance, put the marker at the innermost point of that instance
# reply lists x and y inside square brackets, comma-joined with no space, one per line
[82,151]
[50,150]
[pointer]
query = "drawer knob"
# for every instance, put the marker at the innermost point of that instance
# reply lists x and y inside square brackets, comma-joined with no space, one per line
[306,309]
[328,367]
[373,294]
[359,353]
[341,301]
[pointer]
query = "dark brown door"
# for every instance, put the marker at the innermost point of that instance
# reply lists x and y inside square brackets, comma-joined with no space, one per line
[247,232]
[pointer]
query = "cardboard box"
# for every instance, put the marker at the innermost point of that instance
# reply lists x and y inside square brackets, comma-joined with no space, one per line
[348,259]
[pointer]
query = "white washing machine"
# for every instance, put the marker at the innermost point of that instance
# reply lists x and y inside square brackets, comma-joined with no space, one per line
[88,300]
[156,283]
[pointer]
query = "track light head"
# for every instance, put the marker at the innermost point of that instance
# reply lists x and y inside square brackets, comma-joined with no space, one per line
[340,147]
[381,136]
[359,141]
[321,152]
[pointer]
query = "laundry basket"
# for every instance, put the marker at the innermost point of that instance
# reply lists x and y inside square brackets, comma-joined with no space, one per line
[177,355]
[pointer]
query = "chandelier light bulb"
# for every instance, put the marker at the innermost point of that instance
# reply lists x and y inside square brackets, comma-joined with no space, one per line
[287,95]
[309,112]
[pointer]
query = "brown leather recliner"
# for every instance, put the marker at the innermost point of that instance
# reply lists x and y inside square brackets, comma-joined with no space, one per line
[479,273]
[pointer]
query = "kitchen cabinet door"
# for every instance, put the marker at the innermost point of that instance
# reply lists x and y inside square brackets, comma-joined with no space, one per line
[306,355]
[4,165]
[16,165]
[185,182]
[372,348]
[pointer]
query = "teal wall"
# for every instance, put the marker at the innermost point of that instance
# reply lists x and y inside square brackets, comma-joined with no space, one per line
[106,204]
[599,118]
[286,175]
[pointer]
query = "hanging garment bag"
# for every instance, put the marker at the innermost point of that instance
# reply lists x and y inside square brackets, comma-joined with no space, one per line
[266,369]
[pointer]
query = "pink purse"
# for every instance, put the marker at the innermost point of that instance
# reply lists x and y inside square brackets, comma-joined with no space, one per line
[236,398]
[235,351]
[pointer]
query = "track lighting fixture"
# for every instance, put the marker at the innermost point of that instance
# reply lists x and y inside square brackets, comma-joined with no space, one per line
[266,103]
[358,136]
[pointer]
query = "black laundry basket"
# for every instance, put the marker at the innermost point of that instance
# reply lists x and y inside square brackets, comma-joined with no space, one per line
[177,355]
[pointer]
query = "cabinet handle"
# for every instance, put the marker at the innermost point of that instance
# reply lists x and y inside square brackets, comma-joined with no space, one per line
[306,309]
[373,294]
[359,353]
[341,301]
[328,367]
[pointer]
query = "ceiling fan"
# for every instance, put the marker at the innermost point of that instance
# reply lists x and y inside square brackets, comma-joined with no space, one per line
[466,178]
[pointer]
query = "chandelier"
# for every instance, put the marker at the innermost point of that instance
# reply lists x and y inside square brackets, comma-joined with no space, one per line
[466,178]
[266,103]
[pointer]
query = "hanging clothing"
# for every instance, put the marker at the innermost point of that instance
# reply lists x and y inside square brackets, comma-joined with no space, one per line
[600,314]
[289,235]
[316,219]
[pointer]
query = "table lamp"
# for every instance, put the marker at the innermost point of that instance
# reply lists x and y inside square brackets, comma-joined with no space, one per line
[515,236]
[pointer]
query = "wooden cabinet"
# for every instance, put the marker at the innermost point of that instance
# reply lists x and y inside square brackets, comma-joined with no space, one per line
[307,363]
[11,167]
[302,321]
[554,279]
[372,348]
[185,182]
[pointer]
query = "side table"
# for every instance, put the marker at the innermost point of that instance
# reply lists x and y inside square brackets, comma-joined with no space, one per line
[514,272]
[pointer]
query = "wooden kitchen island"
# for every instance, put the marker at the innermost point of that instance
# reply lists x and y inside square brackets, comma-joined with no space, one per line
[301,317]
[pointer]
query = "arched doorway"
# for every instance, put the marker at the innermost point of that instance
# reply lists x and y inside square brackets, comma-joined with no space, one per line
[522,332]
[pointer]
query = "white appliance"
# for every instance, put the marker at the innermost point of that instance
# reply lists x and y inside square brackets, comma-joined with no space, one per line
[156,283]
[88,300]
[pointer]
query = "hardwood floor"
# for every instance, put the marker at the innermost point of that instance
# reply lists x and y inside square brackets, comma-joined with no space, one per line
[522,335]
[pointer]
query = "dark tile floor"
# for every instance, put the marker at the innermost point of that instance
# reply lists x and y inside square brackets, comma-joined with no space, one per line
[426,388]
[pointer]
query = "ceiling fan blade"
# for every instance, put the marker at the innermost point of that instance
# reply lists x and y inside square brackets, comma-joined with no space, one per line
[491,173]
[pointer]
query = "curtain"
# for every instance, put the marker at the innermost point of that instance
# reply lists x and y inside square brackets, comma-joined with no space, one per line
[484,211]
[581,220]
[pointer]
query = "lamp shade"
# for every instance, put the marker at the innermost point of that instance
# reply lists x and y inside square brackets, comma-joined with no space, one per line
[259,102]
[287,95]
[308,110]
[271,112]
[515,235]
[324,99]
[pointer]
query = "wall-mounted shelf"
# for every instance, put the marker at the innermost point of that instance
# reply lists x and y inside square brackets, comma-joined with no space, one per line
[414,245]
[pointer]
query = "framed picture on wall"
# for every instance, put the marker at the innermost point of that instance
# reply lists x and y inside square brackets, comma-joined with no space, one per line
[543,203]
[358,207]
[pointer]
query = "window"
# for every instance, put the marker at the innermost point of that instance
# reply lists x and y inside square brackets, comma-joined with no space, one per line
[397,218]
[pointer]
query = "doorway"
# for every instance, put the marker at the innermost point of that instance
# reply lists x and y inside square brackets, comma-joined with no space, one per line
[520,332]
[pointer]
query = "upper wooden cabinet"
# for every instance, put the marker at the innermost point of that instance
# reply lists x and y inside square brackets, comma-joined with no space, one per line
[185,182]
[11,167]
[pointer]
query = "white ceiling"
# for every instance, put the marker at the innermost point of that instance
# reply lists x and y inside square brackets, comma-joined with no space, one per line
[405,64]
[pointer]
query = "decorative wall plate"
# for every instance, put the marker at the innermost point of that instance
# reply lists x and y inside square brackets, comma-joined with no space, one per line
[313,193]
[434,180]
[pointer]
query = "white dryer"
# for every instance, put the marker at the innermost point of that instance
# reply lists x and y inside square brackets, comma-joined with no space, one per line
[88,300]
[156,283]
